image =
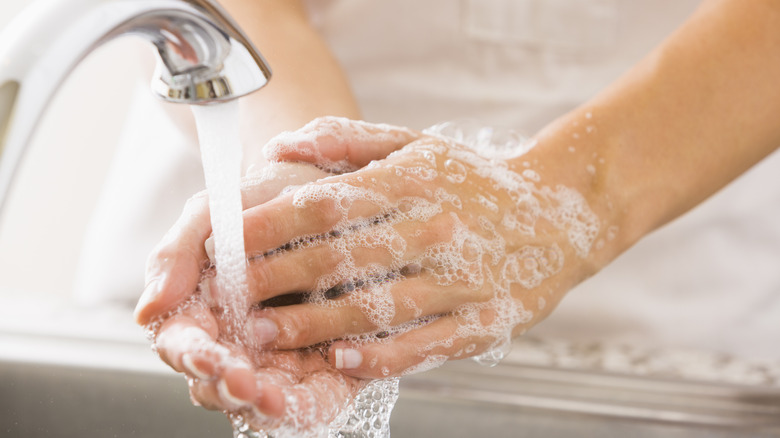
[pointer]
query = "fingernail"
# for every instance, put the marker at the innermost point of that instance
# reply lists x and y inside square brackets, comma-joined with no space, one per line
[347,358]
[264,330]
[225,394]
[189,365]
[209,246]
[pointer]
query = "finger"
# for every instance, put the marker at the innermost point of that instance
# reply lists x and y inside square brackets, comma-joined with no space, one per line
[312,402]
[414,351]
[338,144]
[300,391]
[341,202]
[173,269]
[187,347]
[186,342]
[238,388]
[323,261]
[322,265]
[377,307]
[284,273]
[262,185]
[235,389]
[220,376]
[309,214]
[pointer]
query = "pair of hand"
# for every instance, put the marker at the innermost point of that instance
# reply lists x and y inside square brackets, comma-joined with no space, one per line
[429,251]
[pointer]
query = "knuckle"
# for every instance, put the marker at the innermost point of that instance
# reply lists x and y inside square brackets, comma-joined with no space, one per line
[326,260]
[295,330]
[325,212]
[261,279]
[265,224]
[153,262]
[439,230]
[162,251]
[263,231]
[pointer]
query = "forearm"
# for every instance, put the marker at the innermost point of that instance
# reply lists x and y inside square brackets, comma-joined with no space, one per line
[307,81]
[696,113]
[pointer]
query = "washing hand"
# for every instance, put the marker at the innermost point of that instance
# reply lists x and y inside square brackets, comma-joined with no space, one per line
[273,389]
[270,389]
[296,390]
[432,252]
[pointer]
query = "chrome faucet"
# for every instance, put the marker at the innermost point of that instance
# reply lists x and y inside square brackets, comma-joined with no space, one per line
[203,58]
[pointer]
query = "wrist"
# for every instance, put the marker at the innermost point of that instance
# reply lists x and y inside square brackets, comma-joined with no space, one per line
[578,152]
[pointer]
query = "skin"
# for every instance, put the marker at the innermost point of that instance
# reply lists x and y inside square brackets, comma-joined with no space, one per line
[692,116]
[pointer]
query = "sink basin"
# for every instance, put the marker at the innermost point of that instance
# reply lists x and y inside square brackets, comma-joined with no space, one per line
[57,381]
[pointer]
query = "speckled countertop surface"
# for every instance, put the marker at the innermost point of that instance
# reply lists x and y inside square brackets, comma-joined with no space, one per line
[683,363]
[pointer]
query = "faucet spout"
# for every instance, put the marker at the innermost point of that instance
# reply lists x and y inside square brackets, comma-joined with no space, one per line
[203,58]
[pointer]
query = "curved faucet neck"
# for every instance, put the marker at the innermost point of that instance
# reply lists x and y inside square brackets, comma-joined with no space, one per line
[203,58]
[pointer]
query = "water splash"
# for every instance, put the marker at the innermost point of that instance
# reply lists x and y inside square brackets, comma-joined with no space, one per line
[369,414]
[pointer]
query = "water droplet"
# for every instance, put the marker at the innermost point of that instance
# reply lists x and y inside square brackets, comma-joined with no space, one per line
[456,171]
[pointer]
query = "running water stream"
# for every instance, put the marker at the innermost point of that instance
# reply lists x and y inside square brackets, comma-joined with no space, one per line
[221,153]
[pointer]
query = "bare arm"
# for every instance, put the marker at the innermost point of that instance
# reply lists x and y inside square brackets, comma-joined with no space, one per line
[692,116]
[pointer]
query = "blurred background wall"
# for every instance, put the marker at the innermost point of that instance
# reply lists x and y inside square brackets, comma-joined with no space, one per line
[42,225]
